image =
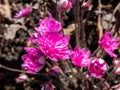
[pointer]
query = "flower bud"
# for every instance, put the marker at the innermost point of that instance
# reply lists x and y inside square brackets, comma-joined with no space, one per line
[22,78]
[117,70]
[116,87]
[116,62]
[48,86]
[86,6]
[64,5]
[87,76]
[73,2]
[55,70]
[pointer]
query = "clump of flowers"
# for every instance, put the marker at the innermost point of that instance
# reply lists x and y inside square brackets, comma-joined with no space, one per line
[51,43]
[97,67]
[54,45]
[109,44]
[49,24]
[34,60]
[80,57]
[24,12]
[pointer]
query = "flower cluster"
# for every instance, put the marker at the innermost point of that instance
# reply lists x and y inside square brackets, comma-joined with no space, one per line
[96,66]
[53,44]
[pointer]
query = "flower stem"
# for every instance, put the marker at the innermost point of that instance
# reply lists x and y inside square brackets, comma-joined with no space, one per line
[77,24]
[12,69]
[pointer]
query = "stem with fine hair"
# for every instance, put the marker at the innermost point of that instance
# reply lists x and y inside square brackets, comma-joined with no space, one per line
[12,69]
[77,23]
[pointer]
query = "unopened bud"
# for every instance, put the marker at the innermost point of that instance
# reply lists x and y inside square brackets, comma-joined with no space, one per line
[86,6]
[116,62]
[117,70]
[55,70]
[87,76]
[22,78]
[48,86]
[64,5]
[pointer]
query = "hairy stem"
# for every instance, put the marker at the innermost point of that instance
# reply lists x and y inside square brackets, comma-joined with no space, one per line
[12,69]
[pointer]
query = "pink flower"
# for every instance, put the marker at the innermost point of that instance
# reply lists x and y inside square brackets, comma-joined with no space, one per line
[49,24]
[64,5]
[80,57]
[34,60]
[24,12]
[109,44]
[55,70]
[97,67]
[54,45]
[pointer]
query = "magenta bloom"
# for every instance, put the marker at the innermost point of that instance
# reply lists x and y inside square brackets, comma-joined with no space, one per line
[54,45]
[97,67]
[24,12]
[34,60]
[80,57]
[49,24]
[64,5]
[109,44]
